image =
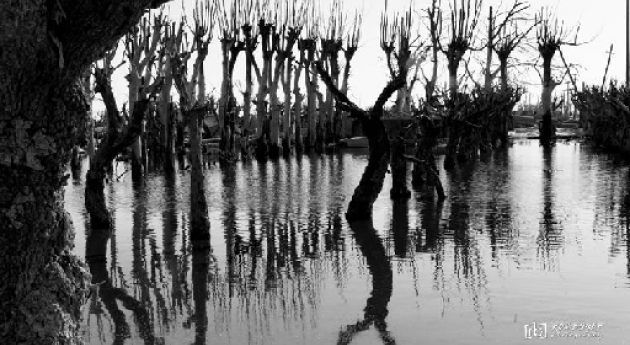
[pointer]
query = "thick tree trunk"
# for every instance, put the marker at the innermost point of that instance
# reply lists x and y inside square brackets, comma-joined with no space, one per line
[371,183]
[42,285]
[44,53]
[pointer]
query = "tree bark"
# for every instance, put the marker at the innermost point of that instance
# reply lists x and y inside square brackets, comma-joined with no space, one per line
[42,285]
[199,223]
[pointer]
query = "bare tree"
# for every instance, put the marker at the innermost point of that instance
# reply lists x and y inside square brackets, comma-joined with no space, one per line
[495,31]
[141,43]
[463,25]
[231,45]
[194,109]
[171,46]
[551,35]
[117,138]
[371,183]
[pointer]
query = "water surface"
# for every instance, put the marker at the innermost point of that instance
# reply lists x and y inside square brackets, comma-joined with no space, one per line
[525,235]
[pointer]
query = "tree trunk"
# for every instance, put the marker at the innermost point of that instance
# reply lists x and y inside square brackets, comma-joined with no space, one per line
[297,111]
[311,100]
[137,163]
[546,129]
[167,117]
[199,223]
[489,47]
[371,183]
[42,285]
[286,123]
[503,130]
[247,96]
[399,188]
[110,147]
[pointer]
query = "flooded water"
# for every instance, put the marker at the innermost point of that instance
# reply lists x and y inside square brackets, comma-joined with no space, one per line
[530,243]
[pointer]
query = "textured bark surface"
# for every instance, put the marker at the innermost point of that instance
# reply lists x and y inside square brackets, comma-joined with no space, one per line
[46,46]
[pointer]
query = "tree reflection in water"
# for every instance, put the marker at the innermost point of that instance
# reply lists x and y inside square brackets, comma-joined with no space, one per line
[550,235]
[375,310]
[109,295]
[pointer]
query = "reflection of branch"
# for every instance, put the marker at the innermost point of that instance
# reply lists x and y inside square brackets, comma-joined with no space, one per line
[375,310]
[96,244]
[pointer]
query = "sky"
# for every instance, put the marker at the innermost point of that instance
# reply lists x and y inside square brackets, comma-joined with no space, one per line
[601,23]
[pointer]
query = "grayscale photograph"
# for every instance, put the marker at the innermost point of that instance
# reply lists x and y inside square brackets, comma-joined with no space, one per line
[311,172]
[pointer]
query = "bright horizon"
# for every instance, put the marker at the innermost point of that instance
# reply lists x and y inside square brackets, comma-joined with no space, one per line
[600,25]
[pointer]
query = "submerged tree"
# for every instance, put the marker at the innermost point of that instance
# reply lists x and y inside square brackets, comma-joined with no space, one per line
[462,30]
[509,38]
[117,138]
[371,183]
[194,110]
[141,43]
[550,35]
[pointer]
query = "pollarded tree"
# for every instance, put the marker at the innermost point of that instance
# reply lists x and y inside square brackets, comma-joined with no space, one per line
[402,51]
[329,48]
[141,44]
[550,35]
[509,38]
[230,22]
[495,32]
[117,138]
[250,34]
[463,25]
[194,107]
[171,46]
[351,46]
[284,36]
[46,48]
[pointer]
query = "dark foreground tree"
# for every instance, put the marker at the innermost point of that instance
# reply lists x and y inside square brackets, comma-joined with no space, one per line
[46,45]
[371,183]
